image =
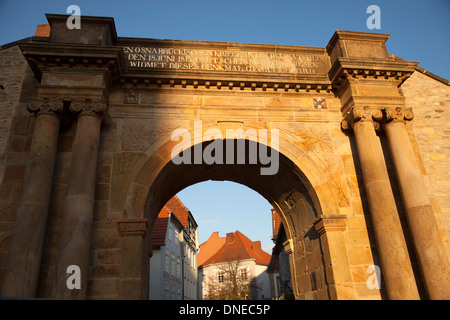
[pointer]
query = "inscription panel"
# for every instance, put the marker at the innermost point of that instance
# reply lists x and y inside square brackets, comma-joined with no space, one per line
[226,60]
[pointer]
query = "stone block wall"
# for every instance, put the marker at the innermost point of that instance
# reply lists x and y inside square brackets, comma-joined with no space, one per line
[16,126]
[132,131]
[12,71]
[429,97]
[136,130]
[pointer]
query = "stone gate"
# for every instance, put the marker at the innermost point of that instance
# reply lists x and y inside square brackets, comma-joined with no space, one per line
[87,148]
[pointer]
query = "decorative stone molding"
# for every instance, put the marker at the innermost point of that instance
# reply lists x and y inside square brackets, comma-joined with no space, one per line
[379,116]
[345,69]
[399,114]
[88,107]
[324,86]
[47,106]
[44,56]
[288,246]
[329,224]
[133,227]
[357,114]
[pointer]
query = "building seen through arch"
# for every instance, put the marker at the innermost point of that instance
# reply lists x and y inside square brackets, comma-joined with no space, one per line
[233,267]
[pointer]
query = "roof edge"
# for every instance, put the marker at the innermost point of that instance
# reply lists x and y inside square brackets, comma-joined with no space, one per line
[432,75]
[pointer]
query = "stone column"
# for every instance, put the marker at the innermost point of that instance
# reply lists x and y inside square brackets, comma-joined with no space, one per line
[75,239]
[27,241]
[395,262]
[428,244]
[132,275]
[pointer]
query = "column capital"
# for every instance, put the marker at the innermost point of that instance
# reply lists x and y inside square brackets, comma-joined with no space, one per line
[380,117]
[357,114]
[399,114]
[45,106]
[88,107]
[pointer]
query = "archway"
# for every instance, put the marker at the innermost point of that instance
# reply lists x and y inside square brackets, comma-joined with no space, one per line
[224,207]
[299,202]
[210,212]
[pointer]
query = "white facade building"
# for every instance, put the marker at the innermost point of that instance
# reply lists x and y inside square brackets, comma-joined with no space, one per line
[173,265]
[216,256]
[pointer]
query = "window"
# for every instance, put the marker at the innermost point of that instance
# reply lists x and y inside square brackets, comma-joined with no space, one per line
[178,292]
[194,265]
[220,276]
[178,267]
[166,290]
[167,262]
[313,281]
[243,274]
[174,292]
[189,257]
[170,232]
[173,264]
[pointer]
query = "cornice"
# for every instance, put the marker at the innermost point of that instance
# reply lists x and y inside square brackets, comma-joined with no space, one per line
[321,85]
[92,20]
[353,35]
[45,56]
[373,68]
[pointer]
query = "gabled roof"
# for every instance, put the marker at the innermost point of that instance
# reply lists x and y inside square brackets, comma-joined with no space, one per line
[210,247]
[235,246]
[179,209]
[158,235]
[175,210]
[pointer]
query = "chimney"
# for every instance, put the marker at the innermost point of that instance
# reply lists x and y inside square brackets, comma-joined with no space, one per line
[257,245]
[230,237]
[42,30]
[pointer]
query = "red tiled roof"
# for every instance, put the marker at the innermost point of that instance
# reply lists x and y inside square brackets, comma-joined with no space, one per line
[276,222]
[235,246]
[181,213]
[42,30]
[210,247]
[160,227]
[178,208]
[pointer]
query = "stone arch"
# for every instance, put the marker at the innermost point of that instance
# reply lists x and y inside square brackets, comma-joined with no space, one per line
[301,191]
[314,172]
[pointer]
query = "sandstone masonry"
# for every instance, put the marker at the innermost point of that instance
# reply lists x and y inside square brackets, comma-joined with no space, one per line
[85,158]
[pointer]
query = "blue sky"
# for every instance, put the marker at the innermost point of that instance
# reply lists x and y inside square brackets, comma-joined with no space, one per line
[226,206]
[419,32]
[419,29]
